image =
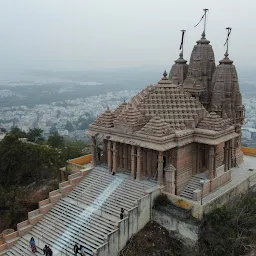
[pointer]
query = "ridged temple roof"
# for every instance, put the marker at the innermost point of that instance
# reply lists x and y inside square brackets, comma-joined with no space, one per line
[156,127]
[106,119]
[120,108]
[131,116]
[173,105]
[175,110]
[213,122]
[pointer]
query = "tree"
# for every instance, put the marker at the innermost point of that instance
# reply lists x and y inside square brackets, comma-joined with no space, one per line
[34,134]
[53,130]
[22,163]
[69,126]
[18,133]
[73,149]
[55,140]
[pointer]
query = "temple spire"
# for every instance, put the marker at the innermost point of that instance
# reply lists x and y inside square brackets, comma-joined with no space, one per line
[203,17]
[227,40]
[182,43]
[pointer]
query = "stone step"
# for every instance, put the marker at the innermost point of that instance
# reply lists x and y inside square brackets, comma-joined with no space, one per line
[78,210]
[58,246]
[65,224]
[62,244]
[72,212]
[86,215]
[118,193]
[113,201]
[67,235]
[59,213]
[125,186]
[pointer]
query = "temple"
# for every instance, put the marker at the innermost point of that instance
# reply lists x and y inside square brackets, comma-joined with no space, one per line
[185,128]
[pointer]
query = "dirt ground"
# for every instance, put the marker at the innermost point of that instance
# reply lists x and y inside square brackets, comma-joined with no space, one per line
[154,240]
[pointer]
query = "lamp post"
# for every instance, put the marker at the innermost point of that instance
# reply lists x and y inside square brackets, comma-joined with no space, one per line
[202,189]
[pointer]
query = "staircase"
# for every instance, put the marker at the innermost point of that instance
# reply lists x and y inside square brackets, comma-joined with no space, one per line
[85,216]
[193,184]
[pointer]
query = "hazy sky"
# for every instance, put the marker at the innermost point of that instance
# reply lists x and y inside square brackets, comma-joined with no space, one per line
[85,34]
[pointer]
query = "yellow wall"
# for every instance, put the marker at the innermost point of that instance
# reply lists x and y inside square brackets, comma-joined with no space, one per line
[249,151]
[82,160]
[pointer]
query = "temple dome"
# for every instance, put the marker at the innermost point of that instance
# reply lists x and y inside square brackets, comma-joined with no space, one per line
[179,70]
[200,70]
[226,97]
[106,119]
[213,122]
[156,127]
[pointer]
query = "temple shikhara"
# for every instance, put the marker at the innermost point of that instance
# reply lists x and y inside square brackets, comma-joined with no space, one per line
[183,129]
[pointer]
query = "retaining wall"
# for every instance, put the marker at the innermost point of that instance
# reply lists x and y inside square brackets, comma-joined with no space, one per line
[135,220]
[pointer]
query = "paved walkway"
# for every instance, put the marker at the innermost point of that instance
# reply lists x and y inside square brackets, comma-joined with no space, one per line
[238,175]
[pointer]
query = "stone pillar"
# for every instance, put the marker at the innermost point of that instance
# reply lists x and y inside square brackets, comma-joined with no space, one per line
[149,165]
[214,162]
[139,162]
[226,156]
[93,147]
[170,178]
[231,154]
[109,156]
[114,156]
[125,156]
[132,161]
[105,150]
[144,162]
[120,155]
[211,162]
[194,160]
[198,155]
[160,178]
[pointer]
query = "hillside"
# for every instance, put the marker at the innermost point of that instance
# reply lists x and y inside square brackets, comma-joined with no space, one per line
[227,231]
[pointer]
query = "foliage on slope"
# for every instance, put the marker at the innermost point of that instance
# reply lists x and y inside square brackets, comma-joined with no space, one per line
[231,229]
[24,167]
[155,240]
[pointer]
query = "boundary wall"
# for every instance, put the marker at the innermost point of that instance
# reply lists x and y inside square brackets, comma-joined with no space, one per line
[135,220]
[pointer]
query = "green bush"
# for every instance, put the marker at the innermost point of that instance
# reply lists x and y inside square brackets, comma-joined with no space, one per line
[161,200]
[230,229]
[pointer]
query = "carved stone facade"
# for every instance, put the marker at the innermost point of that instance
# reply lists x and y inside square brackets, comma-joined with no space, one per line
[186,125]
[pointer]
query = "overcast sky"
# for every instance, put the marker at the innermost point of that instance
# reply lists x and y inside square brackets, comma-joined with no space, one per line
[87,34]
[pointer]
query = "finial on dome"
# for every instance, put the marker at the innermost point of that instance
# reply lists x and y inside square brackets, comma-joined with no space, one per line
[227,41]
[165,74]
[107,108]
[182,43]
[203,17]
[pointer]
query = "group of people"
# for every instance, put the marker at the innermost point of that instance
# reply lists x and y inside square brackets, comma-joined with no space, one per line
[47,250]
[77,249]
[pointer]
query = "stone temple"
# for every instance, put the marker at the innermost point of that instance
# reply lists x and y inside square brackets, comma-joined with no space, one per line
[183,129]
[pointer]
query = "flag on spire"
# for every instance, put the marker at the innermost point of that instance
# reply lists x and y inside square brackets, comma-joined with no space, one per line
[182,39]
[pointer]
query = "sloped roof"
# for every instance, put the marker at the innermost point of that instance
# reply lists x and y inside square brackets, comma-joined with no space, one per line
[106,119]
[213,122]
[172,104]
[166,100]
[131,116]
[156,127]
[120,108]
